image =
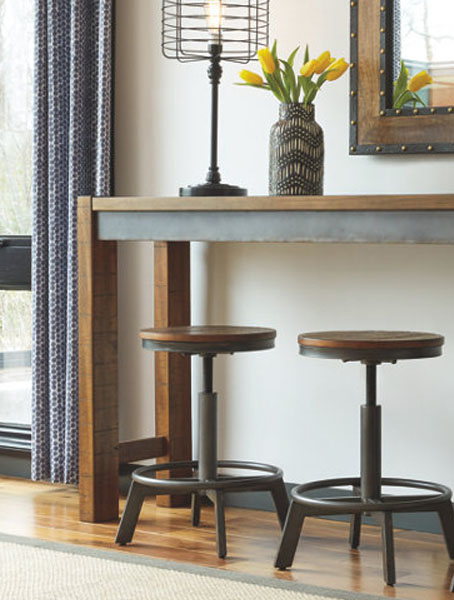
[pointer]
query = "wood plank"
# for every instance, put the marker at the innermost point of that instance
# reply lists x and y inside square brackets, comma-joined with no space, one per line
[98,413]
[172,371]
[133,450]
[50,512]
[376,202]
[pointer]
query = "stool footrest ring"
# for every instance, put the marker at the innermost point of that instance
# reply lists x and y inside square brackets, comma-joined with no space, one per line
[437,500]
[182,485]
[145,483]
[351,504]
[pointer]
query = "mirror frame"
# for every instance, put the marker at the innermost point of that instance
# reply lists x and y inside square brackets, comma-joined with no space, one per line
[374,129]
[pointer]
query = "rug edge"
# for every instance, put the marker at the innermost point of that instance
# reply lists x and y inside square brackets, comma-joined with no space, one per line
[121,556]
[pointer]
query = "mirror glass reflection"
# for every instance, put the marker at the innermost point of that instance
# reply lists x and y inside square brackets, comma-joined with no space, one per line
[424,40]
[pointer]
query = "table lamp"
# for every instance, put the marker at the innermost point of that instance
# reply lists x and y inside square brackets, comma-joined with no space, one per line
[214,30]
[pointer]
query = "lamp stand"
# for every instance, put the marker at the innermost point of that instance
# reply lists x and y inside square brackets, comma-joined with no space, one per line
[213,185]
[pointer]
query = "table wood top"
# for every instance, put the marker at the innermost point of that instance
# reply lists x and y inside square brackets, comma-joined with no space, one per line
[408,202]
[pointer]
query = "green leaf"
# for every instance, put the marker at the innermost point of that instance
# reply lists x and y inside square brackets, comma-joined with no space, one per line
[291,58]
[311,96]
[405,97]
[284,89]
[274,54]
[419,99]
[310,89]
[298,90]
[275,88]
[306,54]
[277,76]
[322,78]
[401,84]
[290,80]
[303,83]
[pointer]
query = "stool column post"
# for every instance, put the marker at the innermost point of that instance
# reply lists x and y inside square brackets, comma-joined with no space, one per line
[208,415]
[371,438]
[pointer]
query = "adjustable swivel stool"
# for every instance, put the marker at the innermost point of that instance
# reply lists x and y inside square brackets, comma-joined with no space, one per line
[371,348]
[205,480]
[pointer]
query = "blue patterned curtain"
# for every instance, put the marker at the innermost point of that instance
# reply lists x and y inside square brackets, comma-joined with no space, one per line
[72,157]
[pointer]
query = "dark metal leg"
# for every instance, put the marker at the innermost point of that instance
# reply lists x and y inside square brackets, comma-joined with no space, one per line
[131,512]
[446,514]
[221,544]
[355,531]
[195,509]
[370,451]
[389,568]
[371,468]
[280,499]
[355,525]
[451,587]
[290,536]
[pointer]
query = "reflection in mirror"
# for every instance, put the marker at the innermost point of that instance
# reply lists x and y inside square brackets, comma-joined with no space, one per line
[424,40]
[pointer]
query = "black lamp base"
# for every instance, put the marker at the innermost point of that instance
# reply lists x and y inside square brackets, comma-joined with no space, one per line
[213,189]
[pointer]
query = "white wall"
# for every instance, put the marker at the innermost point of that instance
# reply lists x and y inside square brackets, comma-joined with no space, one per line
[300,413]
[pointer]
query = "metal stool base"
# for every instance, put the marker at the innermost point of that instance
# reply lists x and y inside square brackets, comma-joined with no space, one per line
[381,509]
[145,483]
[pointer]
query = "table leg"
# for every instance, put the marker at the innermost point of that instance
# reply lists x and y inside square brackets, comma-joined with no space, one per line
[172,371]
[98,400]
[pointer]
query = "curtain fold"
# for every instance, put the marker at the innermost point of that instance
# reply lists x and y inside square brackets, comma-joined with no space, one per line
[72,157]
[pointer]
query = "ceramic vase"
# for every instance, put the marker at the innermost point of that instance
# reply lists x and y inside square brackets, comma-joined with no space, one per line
[296,153]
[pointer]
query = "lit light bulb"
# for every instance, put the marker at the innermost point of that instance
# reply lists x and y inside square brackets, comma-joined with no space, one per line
[214,16]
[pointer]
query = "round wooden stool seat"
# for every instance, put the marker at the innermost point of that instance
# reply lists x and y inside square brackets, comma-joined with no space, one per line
[208,339]
[377,346]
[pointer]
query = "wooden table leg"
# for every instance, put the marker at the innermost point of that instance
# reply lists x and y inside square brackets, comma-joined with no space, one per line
[172,371]
[98,400]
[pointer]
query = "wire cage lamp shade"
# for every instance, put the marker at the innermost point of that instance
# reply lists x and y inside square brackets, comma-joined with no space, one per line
[240,27]
[216,31]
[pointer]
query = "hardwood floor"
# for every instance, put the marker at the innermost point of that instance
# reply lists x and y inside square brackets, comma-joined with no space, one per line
[50,512]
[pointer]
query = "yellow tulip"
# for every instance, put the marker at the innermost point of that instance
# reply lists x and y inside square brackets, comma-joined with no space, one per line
[308,69]
[250,77]
[322,62]
[337,69]
[419,81]
[266,60]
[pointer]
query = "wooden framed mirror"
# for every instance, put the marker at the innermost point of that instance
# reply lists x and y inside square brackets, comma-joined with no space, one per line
[384,32]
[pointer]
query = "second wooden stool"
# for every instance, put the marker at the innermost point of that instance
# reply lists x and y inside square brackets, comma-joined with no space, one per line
[205,480]
[371,348]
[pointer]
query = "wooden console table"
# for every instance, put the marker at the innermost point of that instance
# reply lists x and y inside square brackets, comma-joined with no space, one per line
[173,223]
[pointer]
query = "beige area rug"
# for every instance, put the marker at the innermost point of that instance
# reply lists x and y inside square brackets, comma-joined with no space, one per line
[34,570]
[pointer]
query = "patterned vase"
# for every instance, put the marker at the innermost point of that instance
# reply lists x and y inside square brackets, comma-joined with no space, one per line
[296,153]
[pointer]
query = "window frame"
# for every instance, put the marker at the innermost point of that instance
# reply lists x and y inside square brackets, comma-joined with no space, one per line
[15,262]
[15,438]
[15,274]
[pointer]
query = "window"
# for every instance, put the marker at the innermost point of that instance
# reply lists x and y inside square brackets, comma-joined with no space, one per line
[16,135]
